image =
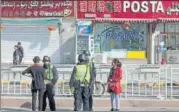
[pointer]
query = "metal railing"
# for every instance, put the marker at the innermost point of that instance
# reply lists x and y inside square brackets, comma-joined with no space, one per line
[139,81]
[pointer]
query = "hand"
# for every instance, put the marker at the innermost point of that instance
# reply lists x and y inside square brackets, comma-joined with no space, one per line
[52,84]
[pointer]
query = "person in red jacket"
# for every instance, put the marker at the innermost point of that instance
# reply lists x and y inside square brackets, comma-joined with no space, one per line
[114,84]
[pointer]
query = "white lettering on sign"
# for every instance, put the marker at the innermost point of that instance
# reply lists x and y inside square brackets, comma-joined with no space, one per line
[43,13]
[144,6]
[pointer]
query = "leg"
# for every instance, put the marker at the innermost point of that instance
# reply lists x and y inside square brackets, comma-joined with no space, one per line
[51,94]
[34,98]
[85,97]
[44,101]
[91,100]
[40,97]
[77,99]
[112,101]
[117,101]
[20,59]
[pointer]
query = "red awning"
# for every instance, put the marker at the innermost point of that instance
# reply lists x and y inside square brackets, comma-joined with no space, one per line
[135,20]
[165,20]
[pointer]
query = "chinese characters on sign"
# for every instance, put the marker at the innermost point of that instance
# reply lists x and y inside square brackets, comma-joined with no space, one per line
[37,8]
[127,9]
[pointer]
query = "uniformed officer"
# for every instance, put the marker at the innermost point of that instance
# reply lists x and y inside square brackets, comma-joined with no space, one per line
[90,61]
[81,80]
[50,80]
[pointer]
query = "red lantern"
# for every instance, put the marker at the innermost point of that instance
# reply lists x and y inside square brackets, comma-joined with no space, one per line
[127,25]
[51,28]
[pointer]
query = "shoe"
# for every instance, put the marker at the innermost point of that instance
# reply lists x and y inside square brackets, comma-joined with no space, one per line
[117,110]
[91,110]
[112,109]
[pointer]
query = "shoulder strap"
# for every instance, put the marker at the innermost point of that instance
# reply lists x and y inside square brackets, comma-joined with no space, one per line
[86,71]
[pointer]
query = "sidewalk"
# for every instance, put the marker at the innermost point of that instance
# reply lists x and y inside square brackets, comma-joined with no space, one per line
[100,104]
[142,109]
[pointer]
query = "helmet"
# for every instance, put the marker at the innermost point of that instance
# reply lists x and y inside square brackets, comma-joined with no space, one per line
[18,43]
[86,52]
[36,59]
[82,57]
[46,58]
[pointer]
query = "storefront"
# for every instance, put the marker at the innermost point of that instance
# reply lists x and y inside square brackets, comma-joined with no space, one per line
[40,27]
[124,29]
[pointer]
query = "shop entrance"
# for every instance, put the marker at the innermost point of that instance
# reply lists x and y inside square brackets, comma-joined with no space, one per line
[167,48]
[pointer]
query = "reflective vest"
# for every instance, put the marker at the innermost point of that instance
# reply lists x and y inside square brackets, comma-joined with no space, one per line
[81,71]
[49,73]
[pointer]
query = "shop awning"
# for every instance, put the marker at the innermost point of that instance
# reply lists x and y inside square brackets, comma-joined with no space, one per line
[165,20]
[124,20]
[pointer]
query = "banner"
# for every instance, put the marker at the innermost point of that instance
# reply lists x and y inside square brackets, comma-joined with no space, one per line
[140,9]
[36,9]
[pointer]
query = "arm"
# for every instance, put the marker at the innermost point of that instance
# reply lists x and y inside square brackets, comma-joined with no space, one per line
[22,50]
[26,71]
[55,76]
[72,79]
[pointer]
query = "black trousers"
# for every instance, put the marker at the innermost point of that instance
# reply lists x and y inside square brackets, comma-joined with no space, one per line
[20,59]
[34,98]
[81,95]
[91,99]
[50,93]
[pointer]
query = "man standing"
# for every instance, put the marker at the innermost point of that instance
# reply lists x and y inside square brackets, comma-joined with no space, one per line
[16,56]
[21,50]
[50,80]
[91,63]
[38,75]
[81,81]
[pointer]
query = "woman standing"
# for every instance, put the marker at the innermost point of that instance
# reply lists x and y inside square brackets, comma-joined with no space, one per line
[114,84]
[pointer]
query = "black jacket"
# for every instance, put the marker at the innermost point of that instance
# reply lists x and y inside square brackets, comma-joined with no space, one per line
[38,75]
[73,82]
[21,50]
[16,56]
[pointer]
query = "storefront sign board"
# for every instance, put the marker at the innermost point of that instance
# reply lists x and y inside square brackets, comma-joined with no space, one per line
[37,8]
[140,9]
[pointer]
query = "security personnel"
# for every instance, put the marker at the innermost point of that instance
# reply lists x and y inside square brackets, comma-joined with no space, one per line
[50,80]
[81,80]
[90,61]
[38,76]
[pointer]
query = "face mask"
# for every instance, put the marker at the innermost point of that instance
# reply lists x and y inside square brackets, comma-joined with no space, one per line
[46,63]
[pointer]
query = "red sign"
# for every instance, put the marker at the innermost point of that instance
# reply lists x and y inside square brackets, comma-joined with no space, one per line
[128,9]
[37,8]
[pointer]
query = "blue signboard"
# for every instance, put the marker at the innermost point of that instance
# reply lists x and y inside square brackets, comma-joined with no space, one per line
[84,29]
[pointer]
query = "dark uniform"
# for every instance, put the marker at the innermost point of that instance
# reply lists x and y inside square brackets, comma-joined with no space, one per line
[38,75]
[50,79]
[87,53]
[81,79]
[21,50]
[16,56]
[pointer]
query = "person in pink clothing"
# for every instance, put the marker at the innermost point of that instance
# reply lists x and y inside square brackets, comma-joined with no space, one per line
[114,84]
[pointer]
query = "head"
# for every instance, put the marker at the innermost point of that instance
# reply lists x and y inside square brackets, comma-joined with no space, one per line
[87,53]
[82,58]
[46,60]
[36,60]
[15,47]
[115,62]
[19,43]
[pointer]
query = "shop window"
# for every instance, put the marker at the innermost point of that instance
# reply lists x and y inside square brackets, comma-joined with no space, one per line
[110,37]
[172,31]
